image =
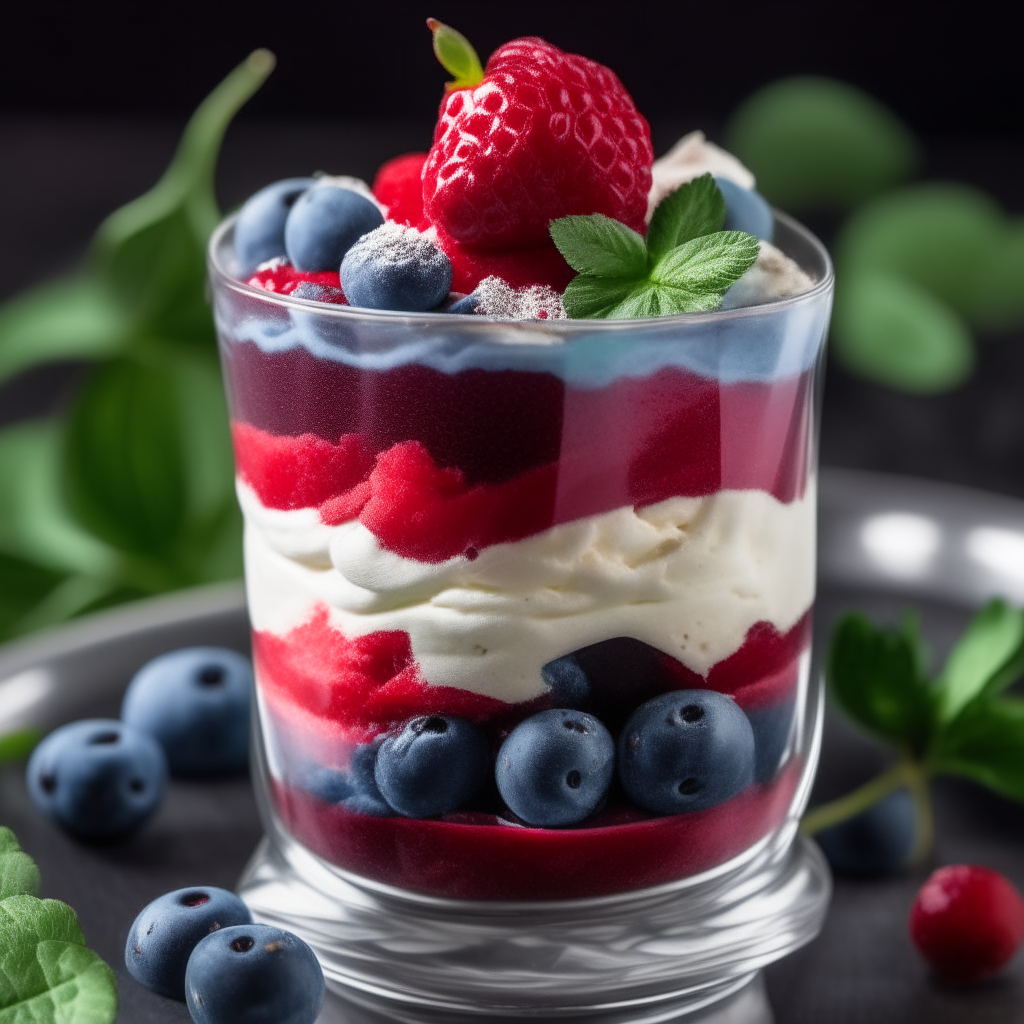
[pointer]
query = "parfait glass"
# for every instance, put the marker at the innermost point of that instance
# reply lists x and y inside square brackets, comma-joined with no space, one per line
[437,509]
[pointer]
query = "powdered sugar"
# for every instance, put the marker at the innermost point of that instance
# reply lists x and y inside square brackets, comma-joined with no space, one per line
[395,244]
[500,300]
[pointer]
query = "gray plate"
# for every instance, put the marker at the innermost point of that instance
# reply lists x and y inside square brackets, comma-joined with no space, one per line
[885,542]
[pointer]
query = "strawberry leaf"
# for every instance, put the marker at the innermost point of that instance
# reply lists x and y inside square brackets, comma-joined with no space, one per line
[600,246]
[694,209]
[456,55]
[988,657]
[985,743]
[875,675]
[19,875]
[709,264]
[47,974]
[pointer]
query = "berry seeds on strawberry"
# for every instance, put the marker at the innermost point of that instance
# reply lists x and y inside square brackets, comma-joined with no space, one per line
[537,135]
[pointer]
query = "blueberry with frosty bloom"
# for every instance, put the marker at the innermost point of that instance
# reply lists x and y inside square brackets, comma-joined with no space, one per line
[395,267]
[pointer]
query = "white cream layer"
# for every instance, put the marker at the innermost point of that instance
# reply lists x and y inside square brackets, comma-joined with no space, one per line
[689,576]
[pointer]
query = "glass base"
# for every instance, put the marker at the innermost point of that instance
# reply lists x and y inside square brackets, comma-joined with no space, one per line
[684,950]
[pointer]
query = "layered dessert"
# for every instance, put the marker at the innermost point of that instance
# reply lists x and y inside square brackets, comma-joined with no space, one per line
[530,563]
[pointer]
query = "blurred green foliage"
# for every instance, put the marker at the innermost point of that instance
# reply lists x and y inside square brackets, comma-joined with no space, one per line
[130,491]
[817,143]
[917,266]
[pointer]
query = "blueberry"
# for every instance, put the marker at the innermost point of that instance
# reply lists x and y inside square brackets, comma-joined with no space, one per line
[97,778]
[396,267]
[323,225]
[196,703]
[569,684]
[328,784]
[165,933]
[259,230]
[433,766]
[772,725]
[467,304]
[746,210]
[365,797]
[877,841]
[253,974]
[555,767]
[686,751]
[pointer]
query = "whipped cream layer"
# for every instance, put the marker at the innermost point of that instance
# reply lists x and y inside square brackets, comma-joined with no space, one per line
[688,575]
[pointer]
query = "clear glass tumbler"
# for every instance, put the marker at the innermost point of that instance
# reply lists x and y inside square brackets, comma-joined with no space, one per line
[452,517]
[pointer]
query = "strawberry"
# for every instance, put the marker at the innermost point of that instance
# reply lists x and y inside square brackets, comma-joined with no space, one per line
[278,275]
[538,135]
[399,187]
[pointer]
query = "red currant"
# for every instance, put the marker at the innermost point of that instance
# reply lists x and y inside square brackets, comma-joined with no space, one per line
[967,922]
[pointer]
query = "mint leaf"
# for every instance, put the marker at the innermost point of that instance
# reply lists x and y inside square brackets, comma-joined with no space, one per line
[987,657]
[597,245]
[151,254]
[123,462]
[19,875]
[47,975]
[875,675]
[985,742]
[694,209]
[595,298]
[72,319]
[707,265]
[816,142]
[16,746]
[893,332]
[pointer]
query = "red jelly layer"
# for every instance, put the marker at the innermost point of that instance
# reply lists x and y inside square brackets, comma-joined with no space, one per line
[477,857]
[335,691]
[629,442]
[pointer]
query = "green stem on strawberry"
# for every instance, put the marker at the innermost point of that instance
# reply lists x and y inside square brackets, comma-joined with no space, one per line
[457,56]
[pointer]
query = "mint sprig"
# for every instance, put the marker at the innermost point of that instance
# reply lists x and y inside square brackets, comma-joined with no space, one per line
[47,973]
[960,723]
[685,265]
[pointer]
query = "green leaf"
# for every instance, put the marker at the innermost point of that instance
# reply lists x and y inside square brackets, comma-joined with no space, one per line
[47,975]
[596,298]
[1000,302]
[152,252]
[986,657]
[694,209]
[24,585]
[19,875]
[16,746]
[893,332]
[123,467]
[71,319]
[600,246]
[456,55]
[707,265]
[36,527]
[875,674]
[985,742]
[949,239]
[816,142]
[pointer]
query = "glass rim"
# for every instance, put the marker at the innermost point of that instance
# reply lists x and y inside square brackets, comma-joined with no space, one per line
[220,276]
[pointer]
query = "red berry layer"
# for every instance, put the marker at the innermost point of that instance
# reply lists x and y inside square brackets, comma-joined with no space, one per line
[436,465]
[482,857]
[399,187]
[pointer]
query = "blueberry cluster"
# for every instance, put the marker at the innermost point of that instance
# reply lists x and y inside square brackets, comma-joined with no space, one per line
[200,945]
[335,225]
[677,752]
[186,712]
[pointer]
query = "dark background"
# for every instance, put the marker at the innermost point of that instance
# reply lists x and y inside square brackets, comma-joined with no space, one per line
[93,97]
